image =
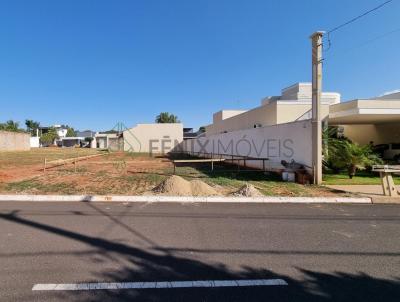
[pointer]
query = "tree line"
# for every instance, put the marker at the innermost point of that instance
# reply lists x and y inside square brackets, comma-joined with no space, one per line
[32,127]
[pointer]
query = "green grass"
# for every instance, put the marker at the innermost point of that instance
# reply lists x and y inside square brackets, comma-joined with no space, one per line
[269,184]
[35,185]
[148,177]
[361,178]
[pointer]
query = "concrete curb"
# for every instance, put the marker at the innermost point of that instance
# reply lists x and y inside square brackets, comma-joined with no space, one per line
[385,200]
[183,199]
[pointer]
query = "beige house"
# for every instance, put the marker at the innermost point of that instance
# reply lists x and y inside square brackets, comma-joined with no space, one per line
[153,138]
[294,104]
[374,120]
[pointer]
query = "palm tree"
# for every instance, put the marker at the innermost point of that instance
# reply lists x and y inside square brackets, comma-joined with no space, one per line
[166,117]
[352,156]
[31,126]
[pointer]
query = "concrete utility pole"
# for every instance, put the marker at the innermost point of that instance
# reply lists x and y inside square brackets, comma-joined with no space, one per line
[316,105]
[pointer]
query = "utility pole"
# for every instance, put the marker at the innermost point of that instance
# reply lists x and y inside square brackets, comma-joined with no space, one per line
[316,39]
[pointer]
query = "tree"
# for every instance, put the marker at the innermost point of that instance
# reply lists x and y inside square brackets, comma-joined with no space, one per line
[71,132]
[352,156]
[10,125]
[49,137]
[166,117]
[32,126]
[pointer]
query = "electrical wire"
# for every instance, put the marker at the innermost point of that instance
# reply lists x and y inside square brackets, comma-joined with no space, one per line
[365,42]
[358,17]
[328,37]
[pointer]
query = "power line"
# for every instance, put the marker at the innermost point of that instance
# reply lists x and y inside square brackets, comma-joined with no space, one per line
[359,17]
[351,21]
[365,42]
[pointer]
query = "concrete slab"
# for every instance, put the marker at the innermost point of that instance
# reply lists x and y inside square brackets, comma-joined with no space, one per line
[375,192]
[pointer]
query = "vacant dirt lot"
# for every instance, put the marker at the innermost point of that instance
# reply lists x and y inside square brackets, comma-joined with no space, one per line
[19,165]
[126,173]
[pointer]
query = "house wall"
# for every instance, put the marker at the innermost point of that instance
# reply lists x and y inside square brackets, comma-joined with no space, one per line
[101,142]
[289,112]
[264,115]
[154,138]
[276,112]
[378,134]
[14,141]
[224,114]
[278,142]
[34,142]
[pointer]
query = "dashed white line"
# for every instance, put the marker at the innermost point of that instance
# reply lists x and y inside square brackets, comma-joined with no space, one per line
[160,284]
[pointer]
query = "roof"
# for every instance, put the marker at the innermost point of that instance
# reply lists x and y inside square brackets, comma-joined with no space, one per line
[365,112]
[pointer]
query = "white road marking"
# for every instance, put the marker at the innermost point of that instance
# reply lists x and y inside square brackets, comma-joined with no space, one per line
[161,284]
[348,235]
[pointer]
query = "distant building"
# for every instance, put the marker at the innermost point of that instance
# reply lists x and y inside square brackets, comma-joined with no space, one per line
[61,130]
[85,133]
[189,133]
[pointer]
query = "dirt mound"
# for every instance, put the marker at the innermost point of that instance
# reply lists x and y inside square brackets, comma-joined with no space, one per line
[177,186]
[174,185]
[200,188]
[248,191]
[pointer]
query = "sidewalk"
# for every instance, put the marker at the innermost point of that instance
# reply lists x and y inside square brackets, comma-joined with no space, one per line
[183,199]
[375,192]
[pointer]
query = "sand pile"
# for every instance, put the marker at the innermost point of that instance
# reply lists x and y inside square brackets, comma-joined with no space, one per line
[174,185]
[248,191]
[177,186]
[200,188]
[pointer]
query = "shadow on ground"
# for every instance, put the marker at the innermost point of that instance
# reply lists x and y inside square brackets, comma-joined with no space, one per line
[158,264]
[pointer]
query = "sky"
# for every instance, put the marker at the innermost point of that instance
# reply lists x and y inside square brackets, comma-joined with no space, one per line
[92,64]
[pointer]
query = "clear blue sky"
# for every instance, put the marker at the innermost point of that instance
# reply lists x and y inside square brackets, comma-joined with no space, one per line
[91,64]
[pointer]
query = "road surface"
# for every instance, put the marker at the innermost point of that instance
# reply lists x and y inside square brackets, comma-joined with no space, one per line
[316,252]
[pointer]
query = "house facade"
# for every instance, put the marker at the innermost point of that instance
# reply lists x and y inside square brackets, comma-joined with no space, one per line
[294,104]
[153,138]
[375,120]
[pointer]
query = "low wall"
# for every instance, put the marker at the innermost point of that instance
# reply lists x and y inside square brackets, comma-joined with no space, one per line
[14,141]
[279,142]
[35,142]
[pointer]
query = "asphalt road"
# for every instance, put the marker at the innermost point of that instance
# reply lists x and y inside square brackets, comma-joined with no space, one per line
[324,252]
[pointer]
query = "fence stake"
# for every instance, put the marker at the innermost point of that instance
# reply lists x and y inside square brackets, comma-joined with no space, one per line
[44,166]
